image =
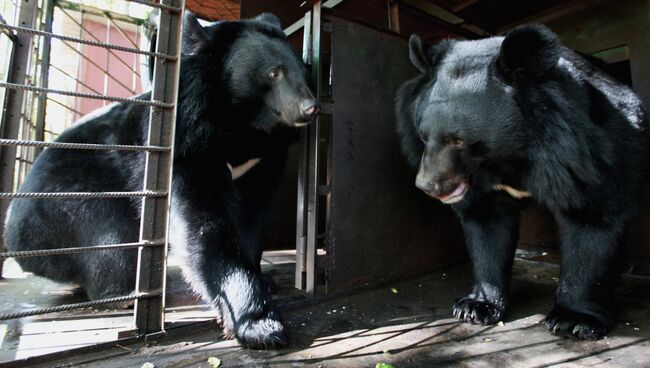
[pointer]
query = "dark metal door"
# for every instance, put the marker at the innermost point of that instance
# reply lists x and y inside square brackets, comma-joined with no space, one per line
[380,226]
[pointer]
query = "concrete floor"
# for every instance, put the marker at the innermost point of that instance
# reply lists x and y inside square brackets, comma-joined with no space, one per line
[408,324]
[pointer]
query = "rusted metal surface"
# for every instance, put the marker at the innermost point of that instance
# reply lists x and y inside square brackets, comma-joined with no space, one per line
[313,157]
[13,104]
[393,13]
[151,271]
[303,152]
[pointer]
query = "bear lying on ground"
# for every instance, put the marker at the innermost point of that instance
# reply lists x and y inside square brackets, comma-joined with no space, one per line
[242,93]
[495,123]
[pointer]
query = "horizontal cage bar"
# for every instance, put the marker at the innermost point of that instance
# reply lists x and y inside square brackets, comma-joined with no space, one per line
[74,250]
[82,146]
[67,307]
[83,195]
[86,95]
[87,42]
[153,4]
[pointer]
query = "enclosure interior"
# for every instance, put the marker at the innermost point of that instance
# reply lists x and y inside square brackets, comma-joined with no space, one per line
[354,226]
[614,34]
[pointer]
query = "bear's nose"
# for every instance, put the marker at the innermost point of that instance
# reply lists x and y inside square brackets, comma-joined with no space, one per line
[309,108]
[427,186]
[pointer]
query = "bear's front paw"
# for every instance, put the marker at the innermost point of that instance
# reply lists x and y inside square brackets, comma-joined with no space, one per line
[262,333]
[477,311]
[565,322]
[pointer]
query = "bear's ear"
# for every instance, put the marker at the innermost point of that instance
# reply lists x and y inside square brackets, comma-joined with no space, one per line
[269,19]
[194,35]
[419,54]
[424,56]
[528,52]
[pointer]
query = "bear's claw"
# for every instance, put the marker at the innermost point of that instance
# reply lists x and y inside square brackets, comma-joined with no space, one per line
[477,311]
[568,323]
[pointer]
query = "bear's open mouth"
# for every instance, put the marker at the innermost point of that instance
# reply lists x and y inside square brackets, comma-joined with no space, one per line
[457,195]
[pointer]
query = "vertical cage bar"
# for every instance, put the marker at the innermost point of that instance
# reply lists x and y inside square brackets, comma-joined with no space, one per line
[151,271]
[303,159]
[39,134]
[313,157]
[14,103]
[393,15]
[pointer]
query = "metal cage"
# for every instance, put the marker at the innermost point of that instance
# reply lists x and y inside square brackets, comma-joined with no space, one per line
[24,133]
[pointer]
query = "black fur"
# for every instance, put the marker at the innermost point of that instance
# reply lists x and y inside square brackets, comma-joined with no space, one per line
[231,109]
[526,112]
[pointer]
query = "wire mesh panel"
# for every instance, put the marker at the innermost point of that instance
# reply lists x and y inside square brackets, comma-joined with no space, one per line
[68,59]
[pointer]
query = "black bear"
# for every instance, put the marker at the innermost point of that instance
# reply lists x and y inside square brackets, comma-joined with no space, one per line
[242,94]
[495,123]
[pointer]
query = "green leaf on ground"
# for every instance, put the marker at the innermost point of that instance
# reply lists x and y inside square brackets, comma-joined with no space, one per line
[214,362]
[384,365]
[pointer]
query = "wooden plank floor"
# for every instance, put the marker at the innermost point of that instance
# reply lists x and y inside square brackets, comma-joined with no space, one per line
[412,328]
[55,332]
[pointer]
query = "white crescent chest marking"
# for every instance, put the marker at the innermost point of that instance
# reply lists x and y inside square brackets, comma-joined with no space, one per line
[242,169]
[515,193]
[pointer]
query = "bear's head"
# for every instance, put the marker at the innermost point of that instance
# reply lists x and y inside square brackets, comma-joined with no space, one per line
[245,73]
[462,112]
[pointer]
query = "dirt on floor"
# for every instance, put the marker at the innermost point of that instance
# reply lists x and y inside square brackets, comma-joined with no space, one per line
[408,324]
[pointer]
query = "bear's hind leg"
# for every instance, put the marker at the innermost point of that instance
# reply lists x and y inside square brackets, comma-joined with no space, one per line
[589,274]
[491,226]
[110,274]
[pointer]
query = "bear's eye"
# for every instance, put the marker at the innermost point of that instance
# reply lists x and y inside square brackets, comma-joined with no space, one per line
[275,74]
[455,142]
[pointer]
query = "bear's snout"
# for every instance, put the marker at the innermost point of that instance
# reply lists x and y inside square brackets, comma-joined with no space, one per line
[427,185]
[308,109]
[446,190]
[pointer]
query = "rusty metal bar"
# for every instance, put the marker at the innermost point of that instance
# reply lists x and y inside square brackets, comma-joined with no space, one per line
[393,15]
[313,157]
[149,314]
[84,195]
[303,159]
[134,100]
[6,32]
[64,106]
[120,30]
[87,42]
[74,250]
[52,133]
[83,146]
[14,103]
[39,126]
[93,63]
[107,62]
[74,78]
[67,307]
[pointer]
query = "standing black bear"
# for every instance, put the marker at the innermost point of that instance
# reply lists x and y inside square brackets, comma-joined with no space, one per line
[493,121]
[242,92]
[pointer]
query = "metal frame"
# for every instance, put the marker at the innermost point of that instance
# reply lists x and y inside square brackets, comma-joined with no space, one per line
[13,103]
[326,217]
[310,169]
[152,246]
[149,313]
[302,206]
